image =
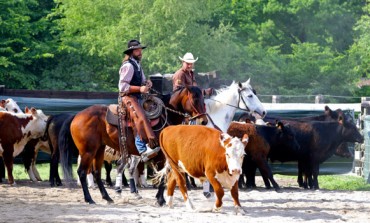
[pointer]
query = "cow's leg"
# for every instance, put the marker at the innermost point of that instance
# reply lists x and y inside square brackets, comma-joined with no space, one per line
[181,183]
[249,168]
[315,174]
[2,169]
[219,191]
[8,160]
[33,166]
[171,185]
[108,169]
[235,195]
[269,175]
[301,182]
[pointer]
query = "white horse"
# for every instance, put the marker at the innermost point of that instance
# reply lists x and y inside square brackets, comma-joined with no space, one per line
[222,107]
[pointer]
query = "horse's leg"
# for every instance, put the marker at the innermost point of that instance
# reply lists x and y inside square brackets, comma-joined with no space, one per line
[133,165]
[187,181]
[120,176]
[55,161]
[108,169]
[98,164]
[141,175]
[83,168]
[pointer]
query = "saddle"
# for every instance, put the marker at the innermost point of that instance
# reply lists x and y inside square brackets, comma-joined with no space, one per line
[151,105]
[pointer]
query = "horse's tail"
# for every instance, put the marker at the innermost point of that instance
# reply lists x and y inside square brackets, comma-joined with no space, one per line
[66,146]
[161,176]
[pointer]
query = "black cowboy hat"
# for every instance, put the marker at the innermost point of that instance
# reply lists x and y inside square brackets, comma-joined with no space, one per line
[133,44]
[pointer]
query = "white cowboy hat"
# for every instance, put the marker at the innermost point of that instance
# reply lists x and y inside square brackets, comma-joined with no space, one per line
[188,58]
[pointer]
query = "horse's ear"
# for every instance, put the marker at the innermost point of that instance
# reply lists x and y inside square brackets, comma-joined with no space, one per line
[240,85]
[248,81]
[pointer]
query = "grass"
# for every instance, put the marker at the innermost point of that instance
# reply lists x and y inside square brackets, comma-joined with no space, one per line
[335,182]
[328,182]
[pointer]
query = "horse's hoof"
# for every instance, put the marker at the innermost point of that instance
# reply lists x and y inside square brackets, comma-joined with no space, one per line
[136,196]
[90,201]
[118,189]
[208,194]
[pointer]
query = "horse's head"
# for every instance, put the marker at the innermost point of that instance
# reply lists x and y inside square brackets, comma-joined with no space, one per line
[190,100]
[249,100]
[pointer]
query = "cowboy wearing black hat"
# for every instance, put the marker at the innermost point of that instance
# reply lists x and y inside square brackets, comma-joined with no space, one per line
[132,83]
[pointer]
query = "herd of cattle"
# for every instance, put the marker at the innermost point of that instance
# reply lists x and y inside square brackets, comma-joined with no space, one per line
[309,141]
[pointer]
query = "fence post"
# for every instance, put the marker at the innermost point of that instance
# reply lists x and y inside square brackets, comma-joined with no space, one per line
[275,99]
[319,99]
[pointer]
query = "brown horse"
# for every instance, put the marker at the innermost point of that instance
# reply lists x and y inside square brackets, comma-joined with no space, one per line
[90,132]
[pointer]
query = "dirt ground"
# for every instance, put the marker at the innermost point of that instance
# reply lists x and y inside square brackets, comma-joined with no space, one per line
[37,202]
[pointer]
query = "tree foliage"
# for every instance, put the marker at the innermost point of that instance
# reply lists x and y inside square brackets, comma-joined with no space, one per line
[286,46]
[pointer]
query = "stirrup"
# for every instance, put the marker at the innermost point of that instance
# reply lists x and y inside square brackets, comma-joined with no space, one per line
[149,153]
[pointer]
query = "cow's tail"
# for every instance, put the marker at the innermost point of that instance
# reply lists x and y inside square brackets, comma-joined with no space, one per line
[66,146]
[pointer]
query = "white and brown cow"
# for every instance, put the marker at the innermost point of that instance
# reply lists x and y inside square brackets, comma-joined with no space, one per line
[203,153]
[16,130]
[9,105]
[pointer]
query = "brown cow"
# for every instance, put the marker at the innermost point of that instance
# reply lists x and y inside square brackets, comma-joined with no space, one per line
[15,131]
[203,153]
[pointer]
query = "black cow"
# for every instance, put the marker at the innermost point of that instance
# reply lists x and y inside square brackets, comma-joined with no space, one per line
[263,139]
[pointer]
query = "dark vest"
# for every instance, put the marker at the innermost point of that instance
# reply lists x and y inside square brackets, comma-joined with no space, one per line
[136,78]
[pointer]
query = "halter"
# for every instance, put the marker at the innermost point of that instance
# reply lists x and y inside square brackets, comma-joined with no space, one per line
[242,99]
[239,99]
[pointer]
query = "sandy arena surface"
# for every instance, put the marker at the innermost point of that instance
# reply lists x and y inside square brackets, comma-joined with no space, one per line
[37,202]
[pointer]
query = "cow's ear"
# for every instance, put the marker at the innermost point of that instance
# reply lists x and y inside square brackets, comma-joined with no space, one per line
[341,120]
[280,125]
[328,111]
[245,139]
[34,111]
[2,103]
[26,110]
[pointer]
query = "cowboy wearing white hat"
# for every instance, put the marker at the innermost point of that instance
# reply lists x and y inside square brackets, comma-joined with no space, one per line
[188,58]
[185,75]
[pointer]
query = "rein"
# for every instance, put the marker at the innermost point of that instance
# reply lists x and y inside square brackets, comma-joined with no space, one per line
[185,115]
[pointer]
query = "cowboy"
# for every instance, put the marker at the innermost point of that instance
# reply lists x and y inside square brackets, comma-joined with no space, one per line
[132,83]
[185,75]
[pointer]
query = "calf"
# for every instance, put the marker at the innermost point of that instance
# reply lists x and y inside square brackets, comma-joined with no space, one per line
[203,153]
[263,139]
[16,131]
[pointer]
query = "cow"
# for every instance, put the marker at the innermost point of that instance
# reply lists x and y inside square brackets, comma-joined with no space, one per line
[16,131]
[203,153]
[9,105]
[262,139]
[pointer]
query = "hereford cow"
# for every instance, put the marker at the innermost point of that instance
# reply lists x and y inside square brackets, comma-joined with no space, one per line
[203,153]
[15,131]
[262,139]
